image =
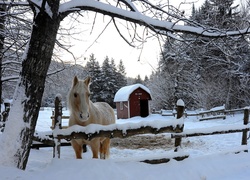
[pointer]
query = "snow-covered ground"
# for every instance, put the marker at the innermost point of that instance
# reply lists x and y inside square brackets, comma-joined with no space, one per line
[210,157]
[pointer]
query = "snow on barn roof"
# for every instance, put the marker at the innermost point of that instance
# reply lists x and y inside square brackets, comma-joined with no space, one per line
[124,93]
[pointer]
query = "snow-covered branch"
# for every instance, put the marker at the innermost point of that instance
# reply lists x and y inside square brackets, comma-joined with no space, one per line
[12,3]
[9,78]
[159,26]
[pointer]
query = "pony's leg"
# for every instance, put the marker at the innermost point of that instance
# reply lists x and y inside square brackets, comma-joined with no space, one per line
[95,145]
[104,149]
[78,149]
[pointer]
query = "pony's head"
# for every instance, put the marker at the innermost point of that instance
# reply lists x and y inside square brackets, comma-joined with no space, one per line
[79,99]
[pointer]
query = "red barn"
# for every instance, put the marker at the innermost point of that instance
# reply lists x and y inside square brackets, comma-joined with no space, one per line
[132,101]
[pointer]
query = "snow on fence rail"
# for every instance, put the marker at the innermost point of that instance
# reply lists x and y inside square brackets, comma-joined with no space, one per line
[118,130]
[174,127]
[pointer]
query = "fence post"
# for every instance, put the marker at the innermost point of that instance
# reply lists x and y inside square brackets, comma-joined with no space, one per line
[180,106]
[245,122]
[57,125]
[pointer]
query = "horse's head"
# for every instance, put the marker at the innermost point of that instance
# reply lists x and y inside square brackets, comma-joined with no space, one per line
[79,98]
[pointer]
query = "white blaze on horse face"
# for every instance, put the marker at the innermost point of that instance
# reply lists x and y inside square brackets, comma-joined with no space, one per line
[80,93]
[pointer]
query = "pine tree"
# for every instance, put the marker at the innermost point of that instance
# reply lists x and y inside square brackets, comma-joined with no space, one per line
[146,79]
[109,87]
[138,79]
[121,75]
[94,71]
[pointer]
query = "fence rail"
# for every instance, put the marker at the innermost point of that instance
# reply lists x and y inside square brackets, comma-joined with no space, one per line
[115,133]
[220,110]
[200,132]
[112,131]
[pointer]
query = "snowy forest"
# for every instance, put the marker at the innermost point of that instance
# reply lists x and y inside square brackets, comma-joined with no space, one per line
[205,58]
[206,73]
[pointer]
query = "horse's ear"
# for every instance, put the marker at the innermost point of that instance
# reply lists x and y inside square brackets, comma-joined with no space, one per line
[75,81]
[87,81]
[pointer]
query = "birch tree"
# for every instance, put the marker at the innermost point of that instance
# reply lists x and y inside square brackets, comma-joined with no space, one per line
[158,19]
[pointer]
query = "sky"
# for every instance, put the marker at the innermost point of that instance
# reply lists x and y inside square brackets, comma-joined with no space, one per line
[102,40]
[137,60]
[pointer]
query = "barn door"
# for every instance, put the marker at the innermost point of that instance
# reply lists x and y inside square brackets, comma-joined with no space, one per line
[144,108]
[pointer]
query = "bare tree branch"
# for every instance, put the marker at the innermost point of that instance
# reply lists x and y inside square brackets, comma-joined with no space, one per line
[122,34]
[98,36]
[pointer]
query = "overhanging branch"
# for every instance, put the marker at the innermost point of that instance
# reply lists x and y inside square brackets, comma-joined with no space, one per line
[133,15]
[158,26]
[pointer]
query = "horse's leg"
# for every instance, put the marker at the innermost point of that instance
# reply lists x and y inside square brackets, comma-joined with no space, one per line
[78,149]
[95,145]
[104,149]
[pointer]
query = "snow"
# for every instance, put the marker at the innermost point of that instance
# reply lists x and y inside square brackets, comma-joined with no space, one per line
[218,108]
[59,96]
[13,127]
[96,128]
[180,102]
[124,93]
[210,157]
[136,16]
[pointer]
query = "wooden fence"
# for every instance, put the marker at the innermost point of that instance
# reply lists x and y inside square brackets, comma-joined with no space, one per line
[215,113]
[117,131]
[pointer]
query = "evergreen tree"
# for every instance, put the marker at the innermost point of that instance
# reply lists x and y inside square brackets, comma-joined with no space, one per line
[121,75]
[146,79]
[109,87]
[138,79]
[94,71]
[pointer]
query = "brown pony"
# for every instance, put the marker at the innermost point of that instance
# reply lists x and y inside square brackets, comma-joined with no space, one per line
[84,112]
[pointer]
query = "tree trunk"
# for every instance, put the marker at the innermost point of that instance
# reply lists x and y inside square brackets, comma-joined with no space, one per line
[29,92]
[2,29]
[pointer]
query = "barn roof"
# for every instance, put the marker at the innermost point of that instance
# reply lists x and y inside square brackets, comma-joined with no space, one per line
[124,93]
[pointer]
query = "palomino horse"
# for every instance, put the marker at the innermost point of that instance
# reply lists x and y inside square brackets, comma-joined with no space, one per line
[84,112]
